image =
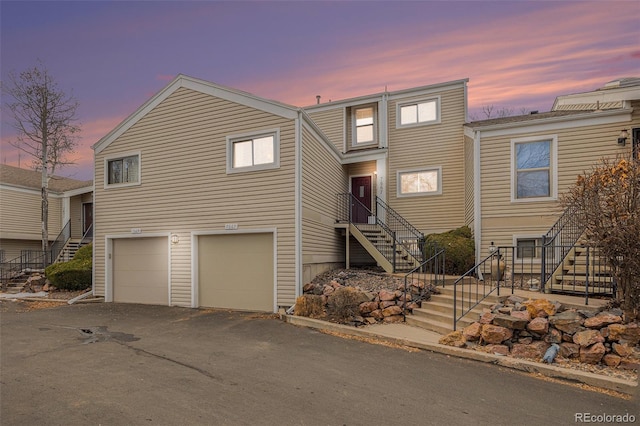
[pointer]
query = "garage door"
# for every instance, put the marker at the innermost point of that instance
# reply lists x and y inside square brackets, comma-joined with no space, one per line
[140,270]
[236,271]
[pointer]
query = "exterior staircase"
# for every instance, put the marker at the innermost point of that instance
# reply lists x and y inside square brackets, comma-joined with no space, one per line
[581,267]
[436,314]
[68,251]
[390,255]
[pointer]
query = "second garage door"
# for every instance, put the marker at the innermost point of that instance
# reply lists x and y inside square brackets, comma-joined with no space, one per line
[140,270]
[236,271]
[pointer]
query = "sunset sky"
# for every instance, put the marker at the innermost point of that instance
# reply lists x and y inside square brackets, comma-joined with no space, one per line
[113,56]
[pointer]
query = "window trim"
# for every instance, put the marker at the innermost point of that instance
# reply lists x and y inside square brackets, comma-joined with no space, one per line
[399,106]
[119,156]
[354,128]
[553,166]
[241,137]
[399,173]
[536,237]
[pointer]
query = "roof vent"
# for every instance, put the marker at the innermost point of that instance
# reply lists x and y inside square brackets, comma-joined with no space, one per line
[533,112]
[318,99]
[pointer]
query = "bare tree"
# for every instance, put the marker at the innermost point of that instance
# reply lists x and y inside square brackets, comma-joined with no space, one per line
[45,119]
[490,111]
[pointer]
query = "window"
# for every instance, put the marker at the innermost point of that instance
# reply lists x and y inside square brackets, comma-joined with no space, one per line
[533,169]
[253,152]
[528,248]
[123,171]
[364,131]
[419,182]
[418,113]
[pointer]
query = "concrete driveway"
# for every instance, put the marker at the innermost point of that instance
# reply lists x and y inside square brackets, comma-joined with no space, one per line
[116,364]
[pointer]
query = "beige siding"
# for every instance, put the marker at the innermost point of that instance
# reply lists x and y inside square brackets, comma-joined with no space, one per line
[185,186]
[322,179]
[20,214]
[468,182]
[12,248]
[435,145]
[331,122]
[579,148]
[76,216]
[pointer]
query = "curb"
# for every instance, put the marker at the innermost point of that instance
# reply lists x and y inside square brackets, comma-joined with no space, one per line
[628,387]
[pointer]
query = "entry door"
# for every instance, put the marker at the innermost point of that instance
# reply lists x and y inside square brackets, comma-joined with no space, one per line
[361,189]
[635,134]
[87,215]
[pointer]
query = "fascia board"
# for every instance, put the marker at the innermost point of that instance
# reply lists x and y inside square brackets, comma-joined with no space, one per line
[357,157]
[556,123]
[78,191]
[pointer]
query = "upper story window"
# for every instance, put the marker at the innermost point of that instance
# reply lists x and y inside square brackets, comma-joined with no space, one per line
[533,169]
[256,151]
[418,113]
[122,171]
[426,181]
[364,125]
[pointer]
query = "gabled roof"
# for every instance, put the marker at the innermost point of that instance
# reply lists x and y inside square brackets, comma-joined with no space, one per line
[226,93]
[31,179]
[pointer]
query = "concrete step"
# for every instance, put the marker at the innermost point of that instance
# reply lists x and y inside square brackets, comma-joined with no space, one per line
[600,279]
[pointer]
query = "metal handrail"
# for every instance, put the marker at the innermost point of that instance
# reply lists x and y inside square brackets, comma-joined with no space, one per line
[87,237]
[433,268]
[28,259]
[347,203]
[480,282]
[60,241]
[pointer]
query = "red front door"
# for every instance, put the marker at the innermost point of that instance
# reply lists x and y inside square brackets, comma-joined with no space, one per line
[361,190]
[87,215]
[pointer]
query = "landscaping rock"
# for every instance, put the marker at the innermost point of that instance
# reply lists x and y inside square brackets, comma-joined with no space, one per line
[367,307]
[496,349]
[569,350]
[487,318]
[554,336]
[622,349]
[472,332]
[611,360]
[392,310]
[535,350]
[510,321]
[524,315]
[601,320]
[393,319]
[453,339]
[587,338]
[538,325]
[625,333]
[386,295]
[495,333]
[377,314]
[592,354]
[540,308]
[567,321]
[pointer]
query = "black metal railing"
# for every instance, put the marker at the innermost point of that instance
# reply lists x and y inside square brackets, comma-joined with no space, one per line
[483,280]
[384,239]
[559,240]
[582,272]
[88,236]
[416,281]
[60,241]
[29,260]
[408,235]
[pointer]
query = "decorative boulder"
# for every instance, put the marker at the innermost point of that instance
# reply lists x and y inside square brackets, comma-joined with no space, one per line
[535,350]
[472,332]
[453,339]
[510,321]
[592,354]
[538,325]
[587,338]
[601,320]
[540,308]
[567,321]
[495,334]
[569,350]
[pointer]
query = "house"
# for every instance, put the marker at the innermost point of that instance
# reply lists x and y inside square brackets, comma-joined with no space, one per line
[209,196]
[518,167]
[70,210]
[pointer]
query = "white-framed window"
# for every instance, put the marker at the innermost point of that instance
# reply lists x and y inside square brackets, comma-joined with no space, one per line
[534,169]
[528,247]
[253,151]
[122,170]
[418,113]
[364,124]
[417,182]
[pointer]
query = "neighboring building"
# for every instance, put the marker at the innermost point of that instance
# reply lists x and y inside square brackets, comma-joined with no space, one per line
[518,167]
[209,196]
[70,206]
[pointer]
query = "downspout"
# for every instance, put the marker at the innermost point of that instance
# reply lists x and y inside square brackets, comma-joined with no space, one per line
[298,206]
[477,199]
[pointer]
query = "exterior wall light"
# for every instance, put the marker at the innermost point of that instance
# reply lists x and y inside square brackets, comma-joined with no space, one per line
[175,239]
[622,139]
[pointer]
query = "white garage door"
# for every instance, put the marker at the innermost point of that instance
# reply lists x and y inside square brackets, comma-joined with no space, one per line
[235,271]
[141,270]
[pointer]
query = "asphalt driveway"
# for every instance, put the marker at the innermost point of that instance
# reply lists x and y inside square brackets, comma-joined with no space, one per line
[117,364]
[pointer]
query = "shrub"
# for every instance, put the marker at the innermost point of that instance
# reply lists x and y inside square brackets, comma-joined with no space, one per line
[343,303]
[74,274]
[459,249]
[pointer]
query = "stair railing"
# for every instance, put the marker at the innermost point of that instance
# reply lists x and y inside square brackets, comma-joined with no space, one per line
[431,271]
[60,241]
[406,233]
[479,282]
[349,208]
[27,261]
[87,237]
